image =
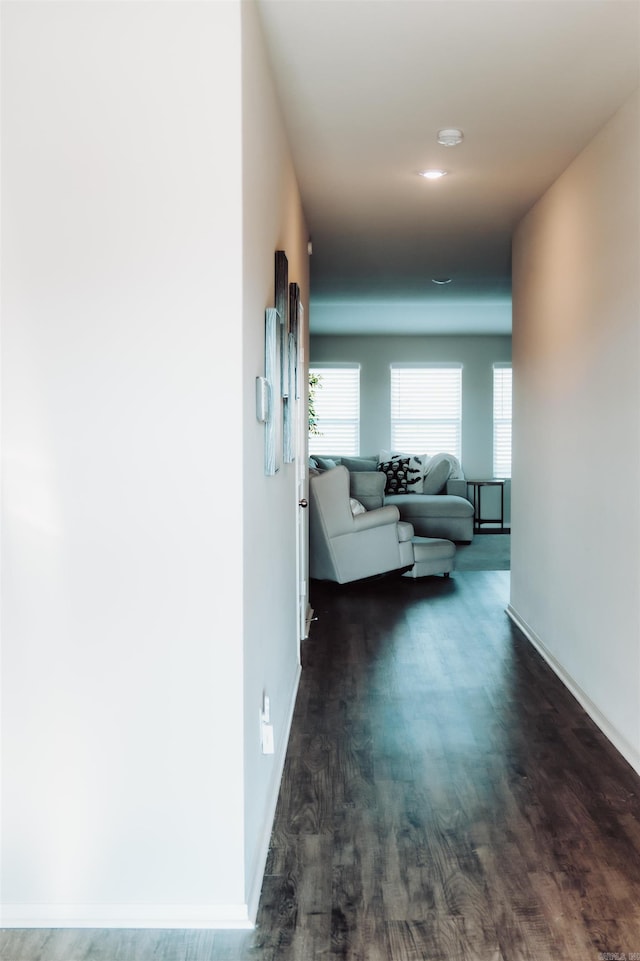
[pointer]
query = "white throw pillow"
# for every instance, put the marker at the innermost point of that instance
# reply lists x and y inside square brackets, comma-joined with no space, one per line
[356,507]
[456,468]
[437,475]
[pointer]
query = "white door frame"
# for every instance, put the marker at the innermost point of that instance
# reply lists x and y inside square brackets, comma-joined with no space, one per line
[302,494]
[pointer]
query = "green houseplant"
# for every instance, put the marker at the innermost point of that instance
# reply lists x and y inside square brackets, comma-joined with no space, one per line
[315,382]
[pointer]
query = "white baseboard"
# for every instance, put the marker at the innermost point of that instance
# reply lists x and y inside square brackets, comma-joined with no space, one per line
[201,916]
[207,916]
[619,741]
[254,885]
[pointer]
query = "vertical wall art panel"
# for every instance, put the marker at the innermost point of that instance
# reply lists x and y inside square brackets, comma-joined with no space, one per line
[262,399]
[290,407]
[281,285]
[272,365]
[295,323]
[291,360]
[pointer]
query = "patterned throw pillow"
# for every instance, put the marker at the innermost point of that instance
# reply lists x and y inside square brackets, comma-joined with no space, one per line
[397,473]
[415,470]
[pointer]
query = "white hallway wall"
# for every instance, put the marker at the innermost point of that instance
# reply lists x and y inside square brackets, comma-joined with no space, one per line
[128,369]
[576,476]
[273,220]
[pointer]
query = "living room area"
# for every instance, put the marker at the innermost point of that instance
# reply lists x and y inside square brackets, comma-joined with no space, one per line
[434,396]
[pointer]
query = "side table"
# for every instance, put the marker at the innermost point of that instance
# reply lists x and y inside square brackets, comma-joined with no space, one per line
[478,519]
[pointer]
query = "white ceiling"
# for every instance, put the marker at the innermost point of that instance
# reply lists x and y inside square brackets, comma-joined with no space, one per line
[366,84]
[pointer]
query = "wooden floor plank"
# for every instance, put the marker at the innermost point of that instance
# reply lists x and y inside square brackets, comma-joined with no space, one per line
[443,797]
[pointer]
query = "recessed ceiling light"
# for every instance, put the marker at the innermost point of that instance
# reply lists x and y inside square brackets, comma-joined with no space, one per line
[433,174]
[441,280]
[450,136]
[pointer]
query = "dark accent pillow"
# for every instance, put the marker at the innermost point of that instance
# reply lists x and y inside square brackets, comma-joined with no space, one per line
[396,473]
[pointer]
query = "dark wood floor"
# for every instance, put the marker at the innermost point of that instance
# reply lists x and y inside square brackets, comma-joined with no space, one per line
[444,797]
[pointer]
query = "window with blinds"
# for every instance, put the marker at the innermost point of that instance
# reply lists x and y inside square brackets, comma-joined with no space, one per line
[337,408]
[501,421]
[426,409]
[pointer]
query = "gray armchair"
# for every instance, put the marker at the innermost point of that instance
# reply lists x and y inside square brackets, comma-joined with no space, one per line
[345,548]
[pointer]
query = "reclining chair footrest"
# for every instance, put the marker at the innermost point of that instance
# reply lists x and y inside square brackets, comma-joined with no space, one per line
[433,555]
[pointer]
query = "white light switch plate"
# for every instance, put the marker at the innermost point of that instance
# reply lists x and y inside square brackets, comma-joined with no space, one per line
[268,745]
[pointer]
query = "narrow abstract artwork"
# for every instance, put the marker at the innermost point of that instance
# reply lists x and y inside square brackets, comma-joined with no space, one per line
[291,360]
[272,365]
[281,284]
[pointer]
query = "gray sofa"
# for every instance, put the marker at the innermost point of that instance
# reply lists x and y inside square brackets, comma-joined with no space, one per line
[448,514]
[347,544]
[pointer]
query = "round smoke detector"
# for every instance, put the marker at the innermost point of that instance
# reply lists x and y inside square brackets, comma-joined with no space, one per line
[450,136]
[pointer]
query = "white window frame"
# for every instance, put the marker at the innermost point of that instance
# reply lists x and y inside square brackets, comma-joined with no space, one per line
[426,408]
[502,419]
[337,411]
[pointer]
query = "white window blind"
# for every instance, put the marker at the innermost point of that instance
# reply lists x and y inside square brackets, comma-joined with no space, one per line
[501,421]
[426,409]
[337,407]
